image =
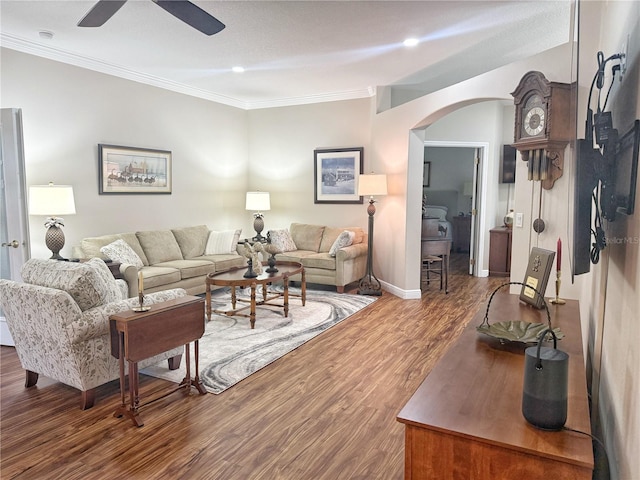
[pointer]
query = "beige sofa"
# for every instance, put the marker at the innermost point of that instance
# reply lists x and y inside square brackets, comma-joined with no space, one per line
[313,249]
[174,258]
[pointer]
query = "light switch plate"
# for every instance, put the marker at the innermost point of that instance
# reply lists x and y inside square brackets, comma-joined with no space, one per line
[519,219]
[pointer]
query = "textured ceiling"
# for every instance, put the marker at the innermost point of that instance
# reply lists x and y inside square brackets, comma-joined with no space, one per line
[293,52]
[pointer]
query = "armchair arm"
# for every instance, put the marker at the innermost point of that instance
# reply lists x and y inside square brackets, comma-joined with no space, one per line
[352,251]
[95,321]
[130,274]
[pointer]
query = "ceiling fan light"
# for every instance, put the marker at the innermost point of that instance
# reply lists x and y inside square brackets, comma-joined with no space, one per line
[411,42]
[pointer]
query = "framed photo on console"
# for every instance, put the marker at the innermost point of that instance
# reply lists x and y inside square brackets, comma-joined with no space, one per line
[336,175]
[537,276]
[130,170]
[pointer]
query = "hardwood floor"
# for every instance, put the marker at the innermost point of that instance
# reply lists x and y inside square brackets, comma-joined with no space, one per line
[325,411]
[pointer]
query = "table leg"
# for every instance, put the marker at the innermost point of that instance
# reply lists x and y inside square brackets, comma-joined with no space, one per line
[196,381]
[187,378]
[208,300]
[252,312]
[233,298]
[303,288]
[134,395]
[446,281]
[286,296]
[122,409]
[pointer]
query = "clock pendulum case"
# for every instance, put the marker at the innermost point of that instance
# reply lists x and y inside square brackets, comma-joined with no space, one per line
[542,126]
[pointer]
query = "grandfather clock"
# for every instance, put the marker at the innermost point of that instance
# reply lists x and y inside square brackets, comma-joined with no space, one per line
[543,126]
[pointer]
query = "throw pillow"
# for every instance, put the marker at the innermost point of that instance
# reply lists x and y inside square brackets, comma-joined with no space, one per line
[120,251]
[223,242]
[344,240]
[282,240]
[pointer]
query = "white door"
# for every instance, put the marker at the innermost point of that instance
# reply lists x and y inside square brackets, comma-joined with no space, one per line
[14,231]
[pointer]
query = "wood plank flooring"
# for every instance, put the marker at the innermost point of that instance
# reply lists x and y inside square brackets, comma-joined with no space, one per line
[325,411]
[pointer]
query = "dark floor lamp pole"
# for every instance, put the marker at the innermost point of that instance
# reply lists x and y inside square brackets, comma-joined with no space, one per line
[371,185]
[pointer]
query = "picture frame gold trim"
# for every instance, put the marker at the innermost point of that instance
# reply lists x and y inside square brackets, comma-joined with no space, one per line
[132,170]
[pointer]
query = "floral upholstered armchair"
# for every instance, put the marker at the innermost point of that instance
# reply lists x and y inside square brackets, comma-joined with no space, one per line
[59,321]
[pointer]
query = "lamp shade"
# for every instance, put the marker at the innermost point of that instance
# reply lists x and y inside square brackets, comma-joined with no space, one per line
[258,201]
[372,184]
[467,189]
[51,200]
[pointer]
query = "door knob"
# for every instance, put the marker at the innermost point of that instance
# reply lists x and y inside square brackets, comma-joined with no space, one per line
[13,244]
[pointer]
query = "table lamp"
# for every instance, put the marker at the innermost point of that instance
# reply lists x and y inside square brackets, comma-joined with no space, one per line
[51,201]
[258,202]
[371,185]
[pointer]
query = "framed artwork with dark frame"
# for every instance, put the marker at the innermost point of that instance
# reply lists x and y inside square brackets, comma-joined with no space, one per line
[426,176]
[131,170]
[336,175]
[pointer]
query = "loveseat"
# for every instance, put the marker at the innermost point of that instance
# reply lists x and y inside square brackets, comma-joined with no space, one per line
[330,255]
[58,318]
[173,258]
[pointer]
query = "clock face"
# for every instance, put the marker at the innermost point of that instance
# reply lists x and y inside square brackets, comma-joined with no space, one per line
[534,119]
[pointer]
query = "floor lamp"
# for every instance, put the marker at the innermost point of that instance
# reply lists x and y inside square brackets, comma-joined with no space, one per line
[370,185]
[52,200]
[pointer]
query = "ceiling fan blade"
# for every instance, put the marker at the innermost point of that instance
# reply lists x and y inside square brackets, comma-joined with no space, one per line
[101,12]
[192,15]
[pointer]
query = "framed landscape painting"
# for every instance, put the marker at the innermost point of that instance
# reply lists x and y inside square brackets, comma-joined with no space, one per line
[336,175]
[125,170]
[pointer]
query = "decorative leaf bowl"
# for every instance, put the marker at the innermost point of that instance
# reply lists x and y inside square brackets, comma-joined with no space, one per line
[516,331]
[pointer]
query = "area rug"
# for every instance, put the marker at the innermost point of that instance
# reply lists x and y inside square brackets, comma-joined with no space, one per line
[231,351]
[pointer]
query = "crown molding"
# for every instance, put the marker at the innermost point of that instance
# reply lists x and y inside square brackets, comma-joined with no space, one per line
[16,43]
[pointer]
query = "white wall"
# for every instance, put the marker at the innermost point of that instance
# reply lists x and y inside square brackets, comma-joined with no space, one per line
[281,158]
[68,111]
[610,299]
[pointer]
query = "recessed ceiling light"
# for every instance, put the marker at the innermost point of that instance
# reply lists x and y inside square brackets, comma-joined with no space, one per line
[238,69]
[47,35]
[411,42]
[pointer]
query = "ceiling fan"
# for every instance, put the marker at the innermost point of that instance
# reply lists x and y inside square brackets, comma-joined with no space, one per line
[186,11]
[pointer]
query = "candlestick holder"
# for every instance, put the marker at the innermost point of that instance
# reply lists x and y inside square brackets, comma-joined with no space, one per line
[141,307]
[558,300]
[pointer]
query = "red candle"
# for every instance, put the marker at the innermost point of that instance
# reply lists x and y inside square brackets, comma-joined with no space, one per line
[559,255]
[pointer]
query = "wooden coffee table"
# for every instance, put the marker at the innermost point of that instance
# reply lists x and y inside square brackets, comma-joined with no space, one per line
[235,278]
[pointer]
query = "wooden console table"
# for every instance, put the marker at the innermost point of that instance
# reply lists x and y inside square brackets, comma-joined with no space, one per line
[465,420]
[136,336]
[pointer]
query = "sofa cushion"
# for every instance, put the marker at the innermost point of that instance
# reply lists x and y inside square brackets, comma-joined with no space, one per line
[307,237]
[223,242]
[90,283]
[159,276]
[91,246]
[344,240]
[190,268]
[191,240]
[225,262]
[281,240]
[294,256]
[319,260]
[120,251]
[159,246]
